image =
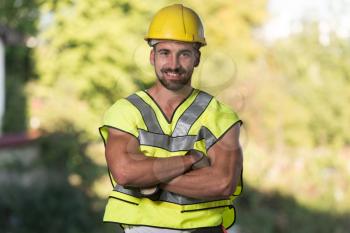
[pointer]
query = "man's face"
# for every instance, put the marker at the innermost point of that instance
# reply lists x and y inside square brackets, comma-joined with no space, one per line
[174,63]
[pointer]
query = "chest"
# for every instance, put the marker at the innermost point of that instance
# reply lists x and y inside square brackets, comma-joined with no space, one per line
[165,131]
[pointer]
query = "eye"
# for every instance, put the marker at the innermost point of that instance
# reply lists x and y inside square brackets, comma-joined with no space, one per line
[186,54]
[163,52]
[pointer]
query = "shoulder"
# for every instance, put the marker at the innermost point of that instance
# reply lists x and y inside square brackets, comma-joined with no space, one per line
[219,109]
[122,109]
[219,118]
[122,105]
[122,115]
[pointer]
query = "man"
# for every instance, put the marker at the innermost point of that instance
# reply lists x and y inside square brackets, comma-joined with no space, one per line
[173,151]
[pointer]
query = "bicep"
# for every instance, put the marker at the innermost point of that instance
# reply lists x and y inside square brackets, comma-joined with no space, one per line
[226,154]
[120,148]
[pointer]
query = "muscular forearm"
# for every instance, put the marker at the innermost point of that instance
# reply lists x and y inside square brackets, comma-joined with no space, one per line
[212,182]
[138,170]
[130,167]
[201,184]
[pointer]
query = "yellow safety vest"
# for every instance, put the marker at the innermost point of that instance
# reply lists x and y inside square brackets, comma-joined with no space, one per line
[197,123]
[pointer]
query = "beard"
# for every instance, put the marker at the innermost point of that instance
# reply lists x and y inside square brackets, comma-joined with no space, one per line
[174,85]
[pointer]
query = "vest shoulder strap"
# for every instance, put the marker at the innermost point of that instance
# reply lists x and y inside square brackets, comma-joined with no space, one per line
[148,114]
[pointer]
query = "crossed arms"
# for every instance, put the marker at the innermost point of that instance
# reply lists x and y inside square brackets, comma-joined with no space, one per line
[129,167]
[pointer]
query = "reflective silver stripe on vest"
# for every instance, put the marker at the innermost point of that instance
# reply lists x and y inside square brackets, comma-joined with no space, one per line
[149,117]
[135,192]
[178,199]
[164,196]
[166,142]
[191,114]
[209,137]
[169,143]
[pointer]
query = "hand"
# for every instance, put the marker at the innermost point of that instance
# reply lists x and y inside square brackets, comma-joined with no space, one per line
[202,160]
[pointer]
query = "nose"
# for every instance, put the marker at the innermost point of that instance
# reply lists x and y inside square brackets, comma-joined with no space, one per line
[174,62]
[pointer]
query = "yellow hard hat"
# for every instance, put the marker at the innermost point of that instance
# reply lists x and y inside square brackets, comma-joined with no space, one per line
[178,23]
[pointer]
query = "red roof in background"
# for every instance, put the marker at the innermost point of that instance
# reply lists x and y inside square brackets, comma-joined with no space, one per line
[13,140]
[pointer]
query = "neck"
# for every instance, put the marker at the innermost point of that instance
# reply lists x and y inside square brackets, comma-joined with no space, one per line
[167,97]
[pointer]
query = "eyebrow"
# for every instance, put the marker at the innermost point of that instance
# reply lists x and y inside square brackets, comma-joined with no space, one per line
[181,51]
[164,50]
[186,50]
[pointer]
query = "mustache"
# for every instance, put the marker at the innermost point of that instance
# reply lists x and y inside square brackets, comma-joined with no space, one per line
[178,70]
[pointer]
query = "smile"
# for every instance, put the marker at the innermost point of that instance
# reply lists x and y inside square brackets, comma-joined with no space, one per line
[171,74]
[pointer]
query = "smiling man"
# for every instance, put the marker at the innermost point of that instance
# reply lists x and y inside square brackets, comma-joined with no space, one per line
[174,63]
[173,151]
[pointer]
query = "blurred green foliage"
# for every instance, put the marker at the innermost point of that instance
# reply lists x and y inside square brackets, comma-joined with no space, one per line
[267,212]
[56,208]
[293,96]
[60,199]
[20,17]
[318,81]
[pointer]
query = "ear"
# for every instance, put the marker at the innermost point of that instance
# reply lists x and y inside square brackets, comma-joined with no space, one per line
[198,58]
[151,56]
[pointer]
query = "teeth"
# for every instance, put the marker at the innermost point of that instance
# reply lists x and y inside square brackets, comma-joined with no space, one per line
[172,74]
